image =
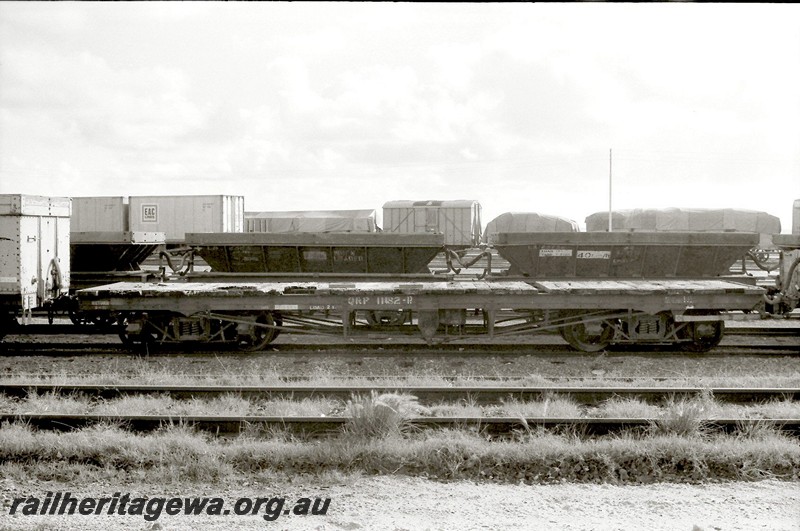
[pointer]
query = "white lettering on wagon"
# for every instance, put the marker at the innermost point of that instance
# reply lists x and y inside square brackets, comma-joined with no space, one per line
[322,307]
[683,300]
[555,252]
[287,307]
[395,300]
[381,300]
[590,255]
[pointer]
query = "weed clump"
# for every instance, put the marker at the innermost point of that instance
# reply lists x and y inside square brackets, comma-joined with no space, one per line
[380,415]
[686,417]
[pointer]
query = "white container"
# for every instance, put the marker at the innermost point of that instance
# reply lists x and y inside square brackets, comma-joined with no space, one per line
[796,218]
[99,214]
[459,221]
[177,215]
[34,250]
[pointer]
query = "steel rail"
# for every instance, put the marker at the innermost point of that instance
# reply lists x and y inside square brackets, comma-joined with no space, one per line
[454,350]
[114,329]
[589,395]
[316,426]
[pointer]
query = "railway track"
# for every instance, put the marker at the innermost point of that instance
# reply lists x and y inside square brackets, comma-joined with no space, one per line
[586,395]
[44,329]
[745,345]
[322,426]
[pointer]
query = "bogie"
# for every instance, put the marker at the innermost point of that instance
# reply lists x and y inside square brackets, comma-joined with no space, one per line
[249,331]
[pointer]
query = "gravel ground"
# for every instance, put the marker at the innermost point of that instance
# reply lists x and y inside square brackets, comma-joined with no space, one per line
[400,503]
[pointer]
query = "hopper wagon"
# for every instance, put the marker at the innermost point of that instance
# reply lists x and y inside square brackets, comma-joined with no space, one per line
[339,253]
[92,252]
[623,254]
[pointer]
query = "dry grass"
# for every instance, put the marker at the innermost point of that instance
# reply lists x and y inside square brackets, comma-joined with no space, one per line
[179,455]
[678,415]
[684,416]
[138,372]
[380,416]
[624,408]
[546,407]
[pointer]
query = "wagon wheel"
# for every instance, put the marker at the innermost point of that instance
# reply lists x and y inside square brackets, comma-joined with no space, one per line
[387,317]
[145,339]
[8,323]
[257,337]
[588,335]
[101,320]
[78,317]
[701,336]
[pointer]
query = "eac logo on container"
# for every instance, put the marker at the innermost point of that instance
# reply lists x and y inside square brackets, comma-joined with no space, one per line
[150,213]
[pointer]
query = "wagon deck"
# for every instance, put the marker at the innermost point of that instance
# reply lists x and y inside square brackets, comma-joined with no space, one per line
[646,294]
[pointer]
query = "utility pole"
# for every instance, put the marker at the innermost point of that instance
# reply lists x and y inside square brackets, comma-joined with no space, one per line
[609,191]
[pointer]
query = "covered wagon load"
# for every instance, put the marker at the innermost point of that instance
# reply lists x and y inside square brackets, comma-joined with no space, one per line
[688,220]
[526,222]
[311,221]
[458,220]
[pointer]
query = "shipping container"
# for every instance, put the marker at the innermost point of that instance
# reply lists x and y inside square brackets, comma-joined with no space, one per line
[34,250]
[526,222]
[311,221]
[99,214]
[177,215]
[796,218]
[459,220]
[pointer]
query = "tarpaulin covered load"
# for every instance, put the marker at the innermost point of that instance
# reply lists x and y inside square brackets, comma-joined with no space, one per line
[311,221]
[685,220]
[526,222]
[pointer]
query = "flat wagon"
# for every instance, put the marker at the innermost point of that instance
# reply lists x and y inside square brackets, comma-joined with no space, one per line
[590,314]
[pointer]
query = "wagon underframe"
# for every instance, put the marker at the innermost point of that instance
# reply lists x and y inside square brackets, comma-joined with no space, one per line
[589,314]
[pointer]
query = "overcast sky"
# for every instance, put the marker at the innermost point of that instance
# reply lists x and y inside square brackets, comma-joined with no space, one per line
[346,105]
